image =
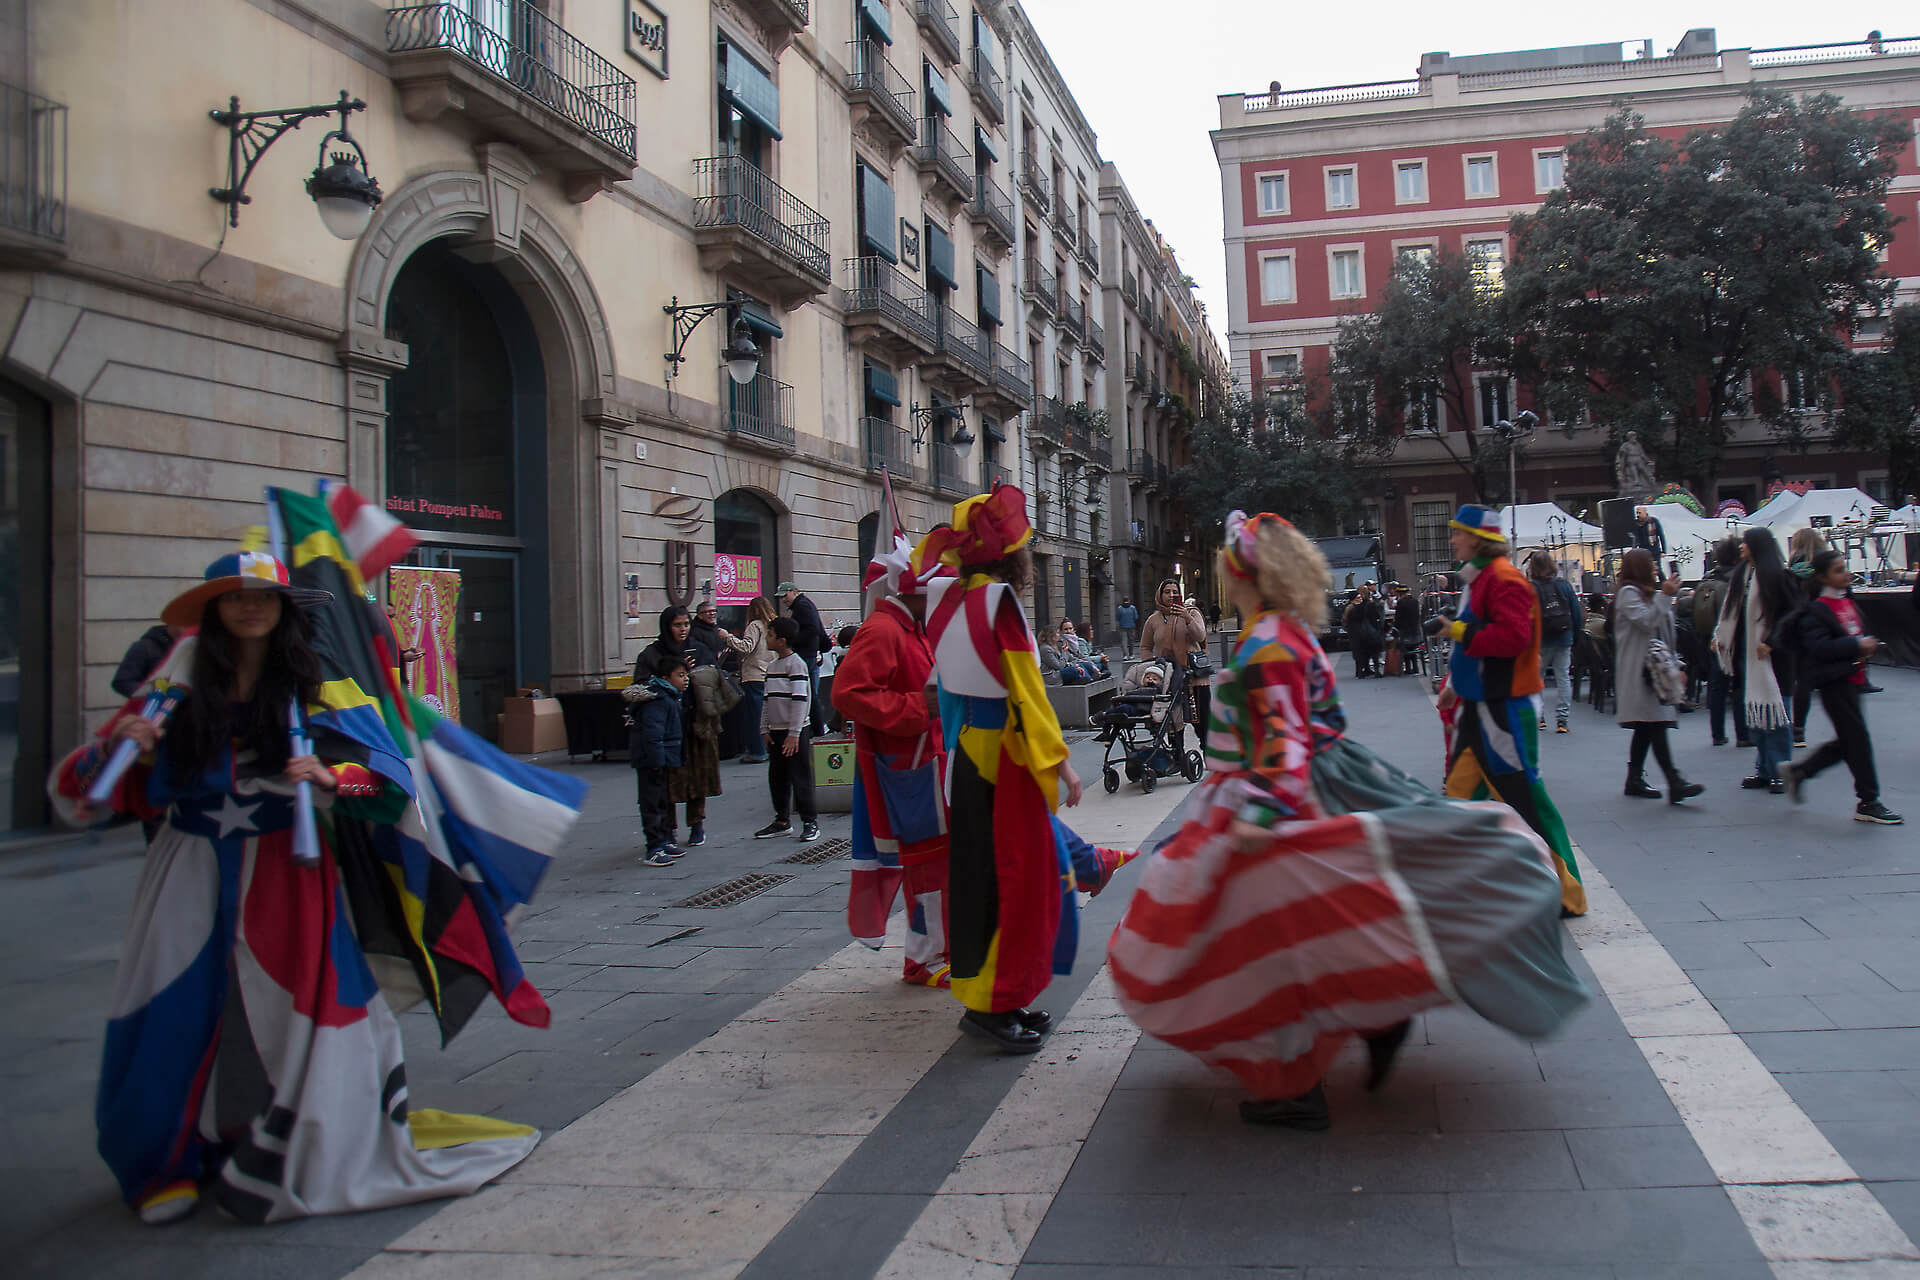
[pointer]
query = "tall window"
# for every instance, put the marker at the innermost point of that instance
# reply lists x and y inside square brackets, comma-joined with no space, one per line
[1410,181]
[1487,259]
[1496,399]
[1423,412]
[1482,180]
[1549,170]
[1413,256]
[1799,393]
[1276,278]
[1343,192]
[749,108]
[1273,193]
[1345,271]
[1431,548]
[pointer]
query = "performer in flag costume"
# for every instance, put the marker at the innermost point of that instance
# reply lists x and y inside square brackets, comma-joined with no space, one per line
[884,687]
[1493,687]
[1008,884]
[1317,892]
[252,1051]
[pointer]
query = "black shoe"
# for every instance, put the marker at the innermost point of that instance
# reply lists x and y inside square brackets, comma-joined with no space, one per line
[1800,740]
[1719,742]
[1679,789]
[1775,787]
[1754,782]
[1790,774]
[1382,1049]
[809,832]
[1874,811]
[1871,687]
[1004,1029]
[1308,1111]
[1038,1021]
[1743,744]
[778,827]
[1638,789]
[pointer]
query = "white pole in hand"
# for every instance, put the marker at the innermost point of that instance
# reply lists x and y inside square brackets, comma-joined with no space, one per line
[306,836]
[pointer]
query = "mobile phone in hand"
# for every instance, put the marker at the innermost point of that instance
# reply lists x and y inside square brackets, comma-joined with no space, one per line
[1673,568]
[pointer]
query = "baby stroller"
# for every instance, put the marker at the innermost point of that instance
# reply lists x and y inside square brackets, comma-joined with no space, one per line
[1142,727]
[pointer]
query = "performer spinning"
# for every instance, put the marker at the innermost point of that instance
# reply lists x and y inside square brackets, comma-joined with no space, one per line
[883,686]
[1008,883]
[250,1047]
[1318,892]
[1493,689]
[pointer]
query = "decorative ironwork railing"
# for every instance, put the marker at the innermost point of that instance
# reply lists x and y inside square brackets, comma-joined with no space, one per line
[730,191]
[33,164]
[944,151]
[762,410]
[871,72]
[876,286]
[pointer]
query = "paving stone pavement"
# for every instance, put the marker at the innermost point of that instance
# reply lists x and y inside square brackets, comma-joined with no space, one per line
[1485,1155]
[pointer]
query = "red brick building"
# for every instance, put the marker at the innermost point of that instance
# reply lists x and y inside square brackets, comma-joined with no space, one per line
[1325,189]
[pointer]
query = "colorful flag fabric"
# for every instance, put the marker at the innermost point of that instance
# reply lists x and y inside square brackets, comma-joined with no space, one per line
[373,538]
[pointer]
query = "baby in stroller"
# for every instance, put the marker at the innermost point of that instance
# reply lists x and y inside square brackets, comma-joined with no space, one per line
[1142,728]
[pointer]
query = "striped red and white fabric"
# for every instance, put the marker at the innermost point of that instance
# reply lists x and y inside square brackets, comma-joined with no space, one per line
[374,539]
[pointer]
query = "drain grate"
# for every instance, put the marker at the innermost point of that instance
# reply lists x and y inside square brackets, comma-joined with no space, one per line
[737,890]
[825,851]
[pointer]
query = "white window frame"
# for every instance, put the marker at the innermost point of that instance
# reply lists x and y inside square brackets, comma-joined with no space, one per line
[1267,358]
[1466,175]
[1359,252]
[1430,243]
[1788,377]
[1411,164]
[1293,270]
[1353,171]
[1541,153]
[1260,196]
[1479,405]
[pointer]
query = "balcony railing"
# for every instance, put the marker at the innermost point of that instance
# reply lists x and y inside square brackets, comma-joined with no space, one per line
[1033,180]
[949,473]
[992,206]
[1143,467]
[761,412]
[1073,316]
[530,51]
[1039,286]
[961,341]
[991,474]
[941,24]
[872,78]
[1096,339]
[729,191]
[1090,248]
[988,86]
[1100,456]
[888,446]
[1049,423]
[1130,289]
[1012,375]
[1134,367]
[33,165]
[941,151]
[1063,213]
[876,287]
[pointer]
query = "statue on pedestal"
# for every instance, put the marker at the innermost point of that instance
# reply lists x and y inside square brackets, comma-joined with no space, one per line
[1633,469]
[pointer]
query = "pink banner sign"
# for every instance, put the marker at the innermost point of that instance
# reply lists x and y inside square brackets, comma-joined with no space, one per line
[426,607]
[736,579]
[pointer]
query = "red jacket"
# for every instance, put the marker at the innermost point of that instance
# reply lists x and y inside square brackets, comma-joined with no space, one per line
[880,687]
[1503,630]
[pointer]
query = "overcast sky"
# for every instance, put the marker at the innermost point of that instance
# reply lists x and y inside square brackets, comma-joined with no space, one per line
[1146,74]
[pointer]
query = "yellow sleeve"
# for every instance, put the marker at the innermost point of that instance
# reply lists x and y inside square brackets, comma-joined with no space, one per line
[1032,739]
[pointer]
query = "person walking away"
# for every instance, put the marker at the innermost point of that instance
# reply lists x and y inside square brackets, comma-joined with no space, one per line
[698,777]
[655,746]
[1560,618]
[1760,599]
[900,840]
[809,644]
[1493,691]
[1643,614]
[785,724]
[1363,621]
[1406,623]
[1127,619]
[754,660]
[1833,648]
[1802,547]
[1288,915]
[1709,600]
[830,663]
[1172,633]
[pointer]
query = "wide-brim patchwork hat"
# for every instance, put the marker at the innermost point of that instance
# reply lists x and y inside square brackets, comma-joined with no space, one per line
[238,571]
[1482,522]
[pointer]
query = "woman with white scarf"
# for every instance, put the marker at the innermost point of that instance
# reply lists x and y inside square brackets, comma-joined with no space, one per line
[1762,597]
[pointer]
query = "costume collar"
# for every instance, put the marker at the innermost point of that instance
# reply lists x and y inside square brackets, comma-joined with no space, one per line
[1832,593]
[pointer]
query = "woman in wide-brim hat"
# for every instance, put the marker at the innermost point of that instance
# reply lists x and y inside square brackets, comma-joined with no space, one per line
[291,1100]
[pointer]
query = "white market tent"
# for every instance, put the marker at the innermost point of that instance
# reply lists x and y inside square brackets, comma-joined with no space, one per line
[1545,524]
[1786,513]
[1690,538]
[1907,515]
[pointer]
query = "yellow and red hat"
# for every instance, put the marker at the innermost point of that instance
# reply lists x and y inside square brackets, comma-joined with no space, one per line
[986,527]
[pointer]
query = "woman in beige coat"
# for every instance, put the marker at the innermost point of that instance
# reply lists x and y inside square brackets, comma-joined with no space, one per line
[1174,631]
[755,656]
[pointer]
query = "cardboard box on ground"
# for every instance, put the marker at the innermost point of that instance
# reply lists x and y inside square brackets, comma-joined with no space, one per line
[529,725]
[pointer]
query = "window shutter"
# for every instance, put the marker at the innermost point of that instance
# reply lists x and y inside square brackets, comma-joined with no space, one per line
[882,386]
[876,214]
[983,145]
[750,90]
[940,257]
[875,18]
[759,319]
[989,290]
[939,97]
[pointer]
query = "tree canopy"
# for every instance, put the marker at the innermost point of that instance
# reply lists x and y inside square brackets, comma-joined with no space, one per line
[1267,456]
[1665,275]
[1880,403]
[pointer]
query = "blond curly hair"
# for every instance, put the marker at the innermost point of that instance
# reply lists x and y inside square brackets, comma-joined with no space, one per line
[1290,572]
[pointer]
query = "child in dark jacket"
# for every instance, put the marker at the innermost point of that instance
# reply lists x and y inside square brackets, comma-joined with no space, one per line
[1833,651]
[655,745]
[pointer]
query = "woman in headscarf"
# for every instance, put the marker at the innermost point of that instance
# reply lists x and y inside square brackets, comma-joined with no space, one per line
[1174,631]
[1318,893]
[699,776]
[1763,595]
[1010,879]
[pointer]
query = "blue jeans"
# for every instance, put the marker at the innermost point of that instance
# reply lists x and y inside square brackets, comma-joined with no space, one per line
[1772,748]
[1558,658]
[1720,692]
[755,696]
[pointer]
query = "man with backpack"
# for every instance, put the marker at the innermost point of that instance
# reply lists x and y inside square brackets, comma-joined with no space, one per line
[1560,620]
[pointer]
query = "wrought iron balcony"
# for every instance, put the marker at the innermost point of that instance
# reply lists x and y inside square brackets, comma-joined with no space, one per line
[748,224]
[888,446]
[511,71]
[33,170]
[1073,316]
[1012,378]
[760,414]
[1130,290]
[1136,368]
[874,83]
[949,472]
[887,308]
[1090,247]
[1143,468]
[1063,214]
[1040,288]
[1096,340]
[942,153]
[992,211]
[987,85]
[963,348]
[1034,181]
[991,474]
[1047,429]
[941,25]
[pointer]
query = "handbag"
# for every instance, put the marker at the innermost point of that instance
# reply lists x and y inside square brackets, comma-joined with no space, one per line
[914,797]
[1199,665]
[1665,673]
[731,693]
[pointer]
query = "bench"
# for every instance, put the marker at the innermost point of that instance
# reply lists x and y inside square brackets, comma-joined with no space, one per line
[1077,704]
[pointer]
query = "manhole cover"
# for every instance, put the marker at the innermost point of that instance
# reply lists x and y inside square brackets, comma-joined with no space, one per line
[825,851]
[738,890]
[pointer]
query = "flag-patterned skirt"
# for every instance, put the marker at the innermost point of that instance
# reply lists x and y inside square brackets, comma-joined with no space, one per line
[1493,753]
[1388,901]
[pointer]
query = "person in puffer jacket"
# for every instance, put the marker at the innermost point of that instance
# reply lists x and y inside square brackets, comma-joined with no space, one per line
[656,745]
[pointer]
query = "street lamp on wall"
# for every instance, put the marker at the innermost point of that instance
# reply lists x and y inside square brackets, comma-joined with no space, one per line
[342,188]
[925,420]
[742,354]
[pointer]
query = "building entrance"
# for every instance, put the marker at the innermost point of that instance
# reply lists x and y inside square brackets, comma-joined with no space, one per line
[26,482]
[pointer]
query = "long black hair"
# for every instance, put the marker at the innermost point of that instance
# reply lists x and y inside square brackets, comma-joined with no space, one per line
[208,722]
[1780,592]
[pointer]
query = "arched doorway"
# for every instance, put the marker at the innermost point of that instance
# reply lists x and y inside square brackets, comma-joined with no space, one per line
[466,464]
[26,483]
[746,524]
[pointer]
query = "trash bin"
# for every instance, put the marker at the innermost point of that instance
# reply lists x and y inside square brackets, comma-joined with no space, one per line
[833,774]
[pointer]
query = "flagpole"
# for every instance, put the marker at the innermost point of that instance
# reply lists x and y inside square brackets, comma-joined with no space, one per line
[306,836]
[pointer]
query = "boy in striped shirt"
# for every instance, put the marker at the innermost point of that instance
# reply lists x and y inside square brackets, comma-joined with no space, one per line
[783,723]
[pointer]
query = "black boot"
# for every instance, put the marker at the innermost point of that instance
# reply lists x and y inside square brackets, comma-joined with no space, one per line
[1638,789]
[1308,1111]
[1004,1029]
[1678,789]
[1382,1048]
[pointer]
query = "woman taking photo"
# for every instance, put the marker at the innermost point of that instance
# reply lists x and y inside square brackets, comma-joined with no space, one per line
[755,658]
[1318,893]
[1762,596]
[1174,632]
[1643,613]
[698,777]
